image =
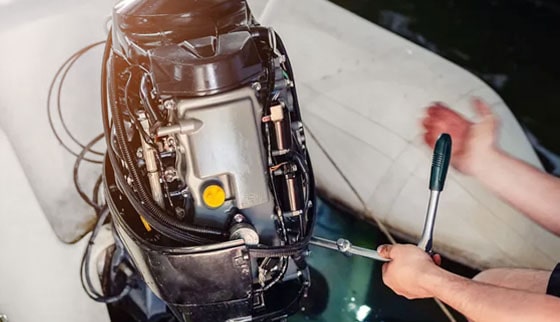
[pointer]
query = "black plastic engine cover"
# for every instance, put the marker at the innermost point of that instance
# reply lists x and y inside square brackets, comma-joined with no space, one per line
[205,66]
[216,273]
[150,24]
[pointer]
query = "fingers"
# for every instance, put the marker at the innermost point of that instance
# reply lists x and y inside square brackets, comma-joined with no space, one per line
[384,251]
[436,107]
[485,112]
[481,107]
[441,119]
[432,122]
[438,112]
[437,259]
[430,138]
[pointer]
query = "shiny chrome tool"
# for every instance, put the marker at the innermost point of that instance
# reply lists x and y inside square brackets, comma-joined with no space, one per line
[345,246]
[440,165]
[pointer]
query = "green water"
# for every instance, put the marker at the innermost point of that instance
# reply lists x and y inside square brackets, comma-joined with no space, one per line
[355,291]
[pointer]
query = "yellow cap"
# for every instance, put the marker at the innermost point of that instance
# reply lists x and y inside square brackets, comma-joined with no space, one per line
[214,196]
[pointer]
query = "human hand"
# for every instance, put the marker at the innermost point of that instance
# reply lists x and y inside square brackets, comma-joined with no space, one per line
[472,142]
[406,273]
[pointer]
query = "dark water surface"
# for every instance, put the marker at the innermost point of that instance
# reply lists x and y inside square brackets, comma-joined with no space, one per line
[354,289]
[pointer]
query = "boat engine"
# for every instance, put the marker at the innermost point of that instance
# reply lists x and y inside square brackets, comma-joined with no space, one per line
[207,176]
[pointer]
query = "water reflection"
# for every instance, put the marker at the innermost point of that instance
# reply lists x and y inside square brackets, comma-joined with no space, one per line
[352,286]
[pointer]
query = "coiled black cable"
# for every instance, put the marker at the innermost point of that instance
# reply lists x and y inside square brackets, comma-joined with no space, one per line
[81,156]
[64,69]
[85,277]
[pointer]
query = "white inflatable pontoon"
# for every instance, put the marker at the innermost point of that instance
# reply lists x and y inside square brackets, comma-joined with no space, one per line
[363,91]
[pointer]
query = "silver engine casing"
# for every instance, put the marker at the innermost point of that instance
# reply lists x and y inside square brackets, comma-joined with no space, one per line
[231,121]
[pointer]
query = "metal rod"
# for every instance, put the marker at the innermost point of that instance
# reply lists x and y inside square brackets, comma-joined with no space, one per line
[151,165]
[428,232]
[344,246]
[438,174]
[279,135]
[292,197]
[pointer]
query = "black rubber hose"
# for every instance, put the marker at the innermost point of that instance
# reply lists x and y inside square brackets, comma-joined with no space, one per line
[161,221]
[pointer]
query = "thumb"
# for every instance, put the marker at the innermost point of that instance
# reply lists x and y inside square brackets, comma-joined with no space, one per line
[482,109]
[385,250]
[485,112]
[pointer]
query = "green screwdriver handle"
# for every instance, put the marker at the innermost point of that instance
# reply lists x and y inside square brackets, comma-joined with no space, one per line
[440,162]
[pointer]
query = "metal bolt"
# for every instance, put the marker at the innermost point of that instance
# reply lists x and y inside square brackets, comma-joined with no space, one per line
[256,86]
[180,212]
[170,174]
[185,193]
[343,245]
[239,218]
[170,141]
[169,105]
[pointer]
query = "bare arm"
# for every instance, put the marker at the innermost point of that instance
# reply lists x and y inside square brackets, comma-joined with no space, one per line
[413,274]
[475,153]
[487,303]
[528,189]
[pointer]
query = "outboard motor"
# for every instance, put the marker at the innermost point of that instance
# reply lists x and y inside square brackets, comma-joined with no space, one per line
[207,176]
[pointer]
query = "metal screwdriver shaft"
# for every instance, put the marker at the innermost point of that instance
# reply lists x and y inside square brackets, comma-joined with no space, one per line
[440,164]
[345,246]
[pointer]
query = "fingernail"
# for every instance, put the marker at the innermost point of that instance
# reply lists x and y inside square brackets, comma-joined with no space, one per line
[381,248]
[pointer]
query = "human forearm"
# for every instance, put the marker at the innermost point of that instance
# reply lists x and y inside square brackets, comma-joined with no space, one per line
[531,191]
[528,189]
[482,302]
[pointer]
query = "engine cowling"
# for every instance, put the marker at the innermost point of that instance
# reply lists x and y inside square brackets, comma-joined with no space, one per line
[208,177]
